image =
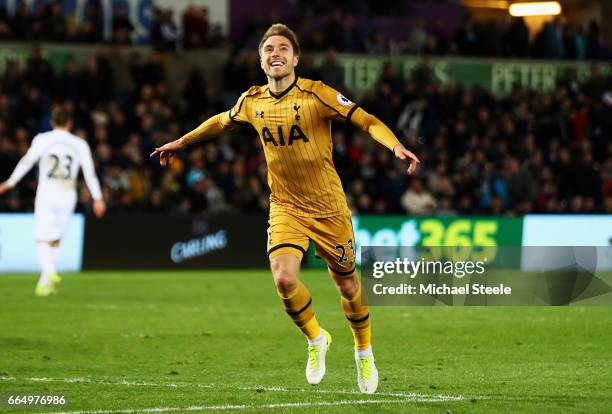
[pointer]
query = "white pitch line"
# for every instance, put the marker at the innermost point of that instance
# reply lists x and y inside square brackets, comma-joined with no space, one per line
[241,388]
[112,306]
[346,392]
[244,406]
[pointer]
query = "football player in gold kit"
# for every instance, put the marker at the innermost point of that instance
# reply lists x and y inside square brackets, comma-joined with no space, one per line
[293,119]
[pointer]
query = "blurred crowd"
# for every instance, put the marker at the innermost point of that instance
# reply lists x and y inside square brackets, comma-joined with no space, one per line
[123,108]
[384,27]
[555,40]
[528,152]
[356,26]
[47,21]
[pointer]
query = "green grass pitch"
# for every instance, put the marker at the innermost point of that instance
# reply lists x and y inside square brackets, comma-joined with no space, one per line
[149,342]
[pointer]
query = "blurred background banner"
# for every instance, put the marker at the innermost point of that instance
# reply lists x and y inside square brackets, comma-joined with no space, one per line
[362,73]
[566,230]
[162,242]
[18,248]
[540,230]
[238,241]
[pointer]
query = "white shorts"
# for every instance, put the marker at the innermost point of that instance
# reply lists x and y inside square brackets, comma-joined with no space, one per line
[51,221]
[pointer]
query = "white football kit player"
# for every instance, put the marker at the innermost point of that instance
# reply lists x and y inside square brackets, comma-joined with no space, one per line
[59,155]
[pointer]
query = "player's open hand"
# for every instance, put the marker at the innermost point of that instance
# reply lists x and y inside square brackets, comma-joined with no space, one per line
[166,152]
[403,154]
[4,187]
[99,208]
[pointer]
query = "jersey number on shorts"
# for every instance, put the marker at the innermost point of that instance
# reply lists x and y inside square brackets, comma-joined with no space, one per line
[55,170]
[342,249]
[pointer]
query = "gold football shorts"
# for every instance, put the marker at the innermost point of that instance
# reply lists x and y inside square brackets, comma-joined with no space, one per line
[333,238]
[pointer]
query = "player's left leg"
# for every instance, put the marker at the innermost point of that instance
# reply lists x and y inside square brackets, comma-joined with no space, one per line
[358,316]
[45,285]
[335,244]
[55,249]
[63,215]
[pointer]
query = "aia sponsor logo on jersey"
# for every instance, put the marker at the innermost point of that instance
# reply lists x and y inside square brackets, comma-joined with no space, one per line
[295,134]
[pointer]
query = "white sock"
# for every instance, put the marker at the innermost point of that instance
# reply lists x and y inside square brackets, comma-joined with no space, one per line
[317,340]
[56,256]
[364,353]
[45,257]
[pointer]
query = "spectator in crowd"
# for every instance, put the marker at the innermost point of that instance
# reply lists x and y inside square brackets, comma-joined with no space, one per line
[56,25]
[195,27]
[164,33]
[516,39]
[417,200]
[594,47]
[5,25]
[13,80]
[20,26]
[91,30]
[122,25]
[38,21]
[466,39]
[552,34]
[417,40]
[521,188]
[331,73]
[334,34]
[38,71]
[377,44]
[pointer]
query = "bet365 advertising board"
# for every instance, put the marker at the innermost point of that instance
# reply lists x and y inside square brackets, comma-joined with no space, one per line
[432,231]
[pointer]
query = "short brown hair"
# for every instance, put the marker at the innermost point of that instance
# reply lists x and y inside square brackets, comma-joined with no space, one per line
[279,29]
[60,117]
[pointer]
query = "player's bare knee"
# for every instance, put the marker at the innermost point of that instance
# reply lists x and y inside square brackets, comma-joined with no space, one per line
[285,277]
[285,280]
[347,286]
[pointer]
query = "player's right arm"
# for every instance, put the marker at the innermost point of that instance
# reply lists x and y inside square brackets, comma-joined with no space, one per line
[210,128]
[24,165]
[89,173]
[337,107]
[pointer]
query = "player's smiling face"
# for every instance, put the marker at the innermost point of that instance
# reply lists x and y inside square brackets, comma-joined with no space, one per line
[277,57]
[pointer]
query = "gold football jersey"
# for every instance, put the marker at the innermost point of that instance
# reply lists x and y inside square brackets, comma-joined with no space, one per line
[295,130]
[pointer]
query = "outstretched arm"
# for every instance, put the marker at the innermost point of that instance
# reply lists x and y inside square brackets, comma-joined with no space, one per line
[25,164]
[381,133]
[4,187]
[336,106]
[210,128]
